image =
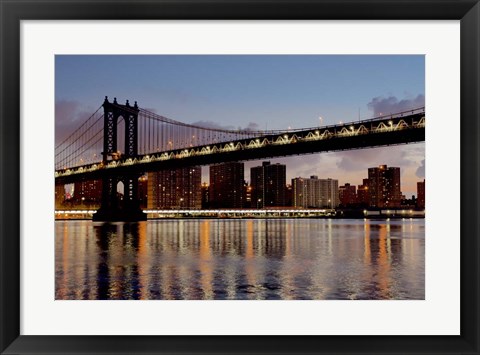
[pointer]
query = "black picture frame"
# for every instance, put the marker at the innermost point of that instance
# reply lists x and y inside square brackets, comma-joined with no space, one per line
[14,11]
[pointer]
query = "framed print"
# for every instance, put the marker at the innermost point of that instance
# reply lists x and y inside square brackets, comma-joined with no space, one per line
[238,177]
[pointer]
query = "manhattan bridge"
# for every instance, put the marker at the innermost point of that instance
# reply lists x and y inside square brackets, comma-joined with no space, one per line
[121,142]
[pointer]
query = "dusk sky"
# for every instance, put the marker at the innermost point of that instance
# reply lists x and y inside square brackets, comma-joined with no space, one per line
[260,92]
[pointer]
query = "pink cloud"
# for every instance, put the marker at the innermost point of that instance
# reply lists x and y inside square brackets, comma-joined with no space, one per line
[386,105]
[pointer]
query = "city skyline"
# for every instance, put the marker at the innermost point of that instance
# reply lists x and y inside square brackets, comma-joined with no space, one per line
[228,188]
[259,92]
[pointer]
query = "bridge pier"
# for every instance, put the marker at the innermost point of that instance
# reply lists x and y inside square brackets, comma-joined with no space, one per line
[112,208]
[119,214]
[115,209]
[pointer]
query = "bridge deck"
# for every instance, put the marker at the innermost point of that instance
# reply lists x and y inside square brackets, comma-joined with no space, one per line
[383,131]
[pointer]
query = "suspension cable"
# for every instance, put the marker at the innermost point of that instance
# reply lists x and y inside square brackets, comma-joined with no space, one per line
[83,124]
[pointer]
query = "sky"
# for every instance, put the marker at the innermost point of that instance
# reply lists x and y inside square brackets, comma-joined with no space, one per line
[257,91]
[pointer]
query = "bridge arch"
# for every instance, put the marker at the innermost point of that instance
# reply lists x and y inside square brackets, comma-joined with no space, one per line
[121,189]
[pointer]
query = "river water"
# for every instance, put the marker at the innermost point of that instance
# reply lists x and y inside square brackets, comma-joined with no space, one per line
[264,259]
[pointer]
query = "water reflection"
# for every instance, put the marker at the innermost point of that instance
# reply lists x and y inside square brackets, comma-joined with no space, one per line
[240,259]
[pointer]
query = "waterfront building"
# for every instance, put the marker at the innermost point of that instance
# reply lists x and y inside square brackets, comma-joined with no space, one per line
[347,195]
[329,193]
[268,183]
[363,197]
[421,194]
[175,189]
[299,192]
[306,192]
[87,193]
[409,202]
[247,202]
[227,185]
[289,195]
[314,192]
[384,187]
[143,191]
[205,196]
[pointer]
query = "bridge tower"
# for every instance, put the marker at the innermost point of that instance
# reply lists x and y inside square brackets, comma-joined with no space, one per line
[112,208]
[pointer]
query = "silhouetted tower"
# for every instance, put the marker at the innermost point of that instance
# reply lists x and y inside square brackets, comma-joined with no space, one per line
[112,208]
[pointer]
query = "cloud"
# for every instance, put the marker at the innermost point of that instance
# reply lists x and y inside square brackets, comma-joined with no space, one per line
[357,160]
[69,115]
[351,166]
[251,126]
[211,124]
[303,165]
[421,170]
[387,105]
[66,111]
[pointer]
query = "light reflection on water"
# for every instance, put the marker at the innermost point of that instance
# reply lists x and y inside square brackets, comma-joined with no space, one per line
[241,259]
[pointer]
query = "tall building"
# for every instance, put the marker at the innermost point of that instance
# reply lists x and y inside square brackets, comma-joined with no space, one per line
[289,195]
[363,196]
[227,185]
[87,192]
[268,183]
[421,194]
[347,195]
[299,192]
[329,193]
[384,187]
[175,189]
[143,191]
[257,185]
[314,192]
[205,196]
[306,192]
[247,201]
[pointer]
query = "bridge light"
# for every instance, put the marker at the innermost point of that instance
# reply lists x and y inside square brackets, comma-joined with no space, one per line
[390,122]
[351,127]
